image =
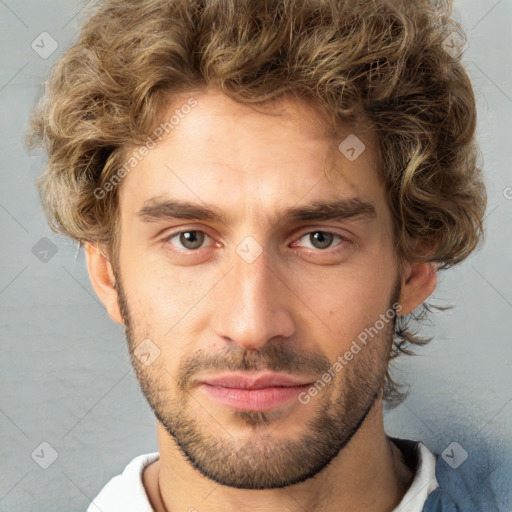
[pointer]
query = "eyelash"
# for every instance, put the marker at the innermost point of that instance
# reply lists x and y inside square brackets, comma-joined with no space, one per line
[343,239]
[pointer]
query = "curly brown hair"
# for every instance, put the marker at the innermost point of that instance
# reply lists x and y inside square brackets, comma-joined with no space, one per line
[381,62]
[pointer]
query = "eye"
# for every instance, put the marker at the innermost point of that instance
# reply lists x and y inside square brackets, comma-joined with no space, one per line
[322,239]
[190,239]
[193,239]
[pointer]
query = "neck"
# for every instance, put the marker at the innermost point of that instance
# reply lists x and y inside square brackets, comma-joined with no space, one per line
[367,475]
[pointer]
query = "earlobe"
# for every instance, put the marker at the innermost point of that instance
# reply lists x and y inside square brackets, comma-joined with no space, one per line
[103,280]
[418,283]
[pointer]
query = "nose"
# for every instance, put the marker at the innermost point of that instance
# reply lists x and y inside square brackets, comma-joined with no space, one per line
[253,303]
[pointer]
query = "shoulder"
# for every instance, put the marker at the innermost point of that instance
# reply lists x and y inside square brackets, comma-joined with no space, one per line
[439,485]
[464,488]
[125,492]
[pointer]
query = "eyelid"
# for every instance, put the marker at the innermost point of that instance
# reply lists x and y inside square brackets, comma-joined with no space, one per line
[172,234]
[314,229]
[344,239]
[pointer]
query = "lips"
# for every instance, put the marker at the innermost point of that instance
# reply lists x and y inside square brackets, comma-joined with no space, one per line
[243,380]
[254,391]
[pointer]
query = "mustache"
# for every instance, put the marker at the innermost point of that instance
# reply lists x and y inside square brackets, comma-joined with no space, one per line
[272,357]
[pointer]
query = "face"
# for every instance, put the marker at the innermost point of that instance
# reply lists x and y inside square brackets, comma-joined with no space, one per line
[272,283]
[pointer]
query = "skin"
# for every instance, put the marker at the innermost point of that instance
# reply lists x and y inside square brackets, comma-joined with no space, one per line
[295,309]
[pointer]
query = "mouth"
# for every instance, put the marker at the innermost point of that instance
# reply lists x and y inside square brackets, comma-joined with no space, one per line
[254,392]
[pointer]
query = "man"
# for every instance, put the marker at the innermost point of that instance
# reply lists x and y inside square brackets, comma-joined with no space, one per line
[266,191]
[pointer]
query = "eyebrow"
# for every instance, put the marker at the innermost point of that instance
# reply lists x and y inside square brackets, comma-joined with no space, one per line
[158,209]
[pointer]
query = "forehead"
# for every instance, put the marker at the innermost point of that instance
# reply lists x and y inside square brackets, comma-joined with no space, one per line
[253,159]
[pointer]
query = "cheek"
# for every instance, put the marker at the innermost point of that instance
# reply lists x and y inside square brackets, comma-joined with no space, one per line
[347,298]
[160,296]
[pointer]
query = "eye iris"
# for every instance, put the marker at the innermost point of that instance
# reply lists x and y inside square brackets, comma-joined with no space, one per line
[191,240]
[191,237]
[324,239]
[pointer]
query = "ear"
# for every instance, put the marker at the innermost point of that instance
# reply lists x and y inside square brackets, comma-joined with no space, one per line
[418,283]
[103,280]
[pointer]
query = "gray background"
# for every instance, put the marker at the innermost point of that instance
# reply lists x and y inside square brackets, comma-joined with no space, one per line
[65,374]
